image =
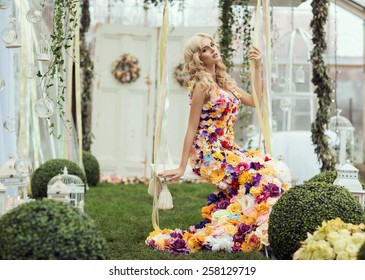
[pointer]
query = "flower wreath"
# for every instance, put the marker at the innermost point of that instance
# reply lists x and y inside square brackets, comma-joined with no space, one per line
[126,69]
[180,75]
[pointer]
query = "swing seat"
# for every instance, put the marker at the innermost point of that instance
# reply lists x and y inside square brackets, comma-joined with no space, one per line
[188,175]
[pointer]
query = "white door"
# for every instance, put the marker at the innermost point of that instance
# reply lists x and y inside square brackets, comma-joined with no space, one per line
[123,113]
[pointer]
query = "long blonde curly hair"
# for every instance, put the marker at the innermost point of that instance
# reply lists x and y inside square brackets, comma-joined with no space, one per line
[196,70]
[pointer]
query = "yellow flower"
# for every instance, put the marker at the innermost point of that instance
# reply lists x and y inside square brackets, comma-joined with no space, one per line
[218,155]
[246,247]
[252,218]
[160,243]
[205,172]
[255,191]
[217,175]
[268,171]
[244,178]
[214,114]
[235,208]
[252,153]
[262,208]
[154,233]
[195,242]
[230,229]
[233,159]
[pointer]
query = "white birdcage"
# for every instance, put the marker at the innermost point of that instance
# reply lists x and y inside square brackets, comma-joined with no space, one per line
[348,177]
[16,186]
[344,130]
[67,188]
[44,50]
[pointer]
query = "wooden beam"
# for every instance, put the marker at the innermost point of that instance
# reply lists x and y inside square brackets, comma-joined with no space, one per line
[280,3]
[352,7]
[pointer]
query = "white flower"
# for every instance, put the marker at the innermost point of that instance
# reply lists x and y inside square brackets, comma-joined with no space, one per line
[222,242]
[220,214]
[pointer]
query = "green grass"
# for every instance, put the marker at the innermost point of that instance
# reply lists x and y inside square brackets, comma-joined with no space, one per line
[123,214]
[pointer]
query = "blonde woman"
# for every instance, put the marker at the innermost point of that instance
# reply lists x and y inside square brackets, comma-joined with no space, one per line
[236,215]
[210,82]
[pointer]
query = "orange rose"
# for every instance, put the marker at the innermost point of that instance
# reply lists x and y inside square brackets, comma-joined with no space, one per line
[262,208]
[207,211]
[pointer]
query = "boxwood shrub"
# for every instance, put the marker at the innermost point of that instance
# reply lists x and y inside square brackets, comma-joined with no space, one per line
[302,209]
[92,168]
[49,230]
[45,172]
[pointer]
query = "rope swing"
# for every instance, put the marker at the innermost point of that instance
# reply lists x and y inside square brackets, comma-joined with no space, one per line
[162,198]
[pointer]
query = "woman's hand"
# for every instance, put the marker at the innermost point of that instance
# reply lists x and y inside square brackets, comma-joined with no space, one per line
[255,55]
[172,173]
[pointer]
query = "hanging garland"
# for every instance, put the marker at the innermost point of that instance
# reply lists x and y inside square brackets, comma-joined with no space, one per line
[180,75]
[243,30]
[65,24]
[225,31]
[87,67]
[321,82]
[126,68]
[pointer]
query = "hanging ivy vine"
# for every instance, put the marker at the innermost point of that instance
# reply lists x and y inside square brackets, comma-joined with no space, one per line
[242,33]
[64,26]
[87,67]
[321,82]
[225,32]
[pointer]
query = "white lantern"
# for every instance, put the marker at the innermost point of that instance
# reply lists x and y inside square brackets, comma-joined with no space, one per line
[345,130]
[2,199]
[17,186]
[67,188]
[347,176]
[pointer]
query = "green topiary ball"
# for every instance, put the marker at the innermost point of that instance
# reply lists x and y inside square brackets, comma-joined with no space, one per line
[329,177]
[92,168]
[326,176]
[45,172]
[302,209]
[361,253]
[49,230]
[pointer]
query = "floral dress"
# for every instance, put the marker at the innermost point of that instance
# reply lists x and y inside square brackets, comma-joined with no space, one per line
[236,215]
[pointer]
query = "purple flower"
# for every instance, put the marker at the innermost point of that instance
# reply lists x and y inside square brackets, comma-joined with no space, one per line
[211,198]
[255,165]
[178,246]
[218,130]
[248,186]
[203,133]
[238,237]
[221,195]
[222,204]
[213,137]
[264,195]
[273,189]
[256,179]
[230,169]
[233,192]
[176,235]
[244,229]
[202,224]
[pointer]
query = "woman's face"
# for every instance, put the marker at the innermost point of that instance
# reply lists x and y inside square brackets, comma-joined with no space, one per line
[209,52]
